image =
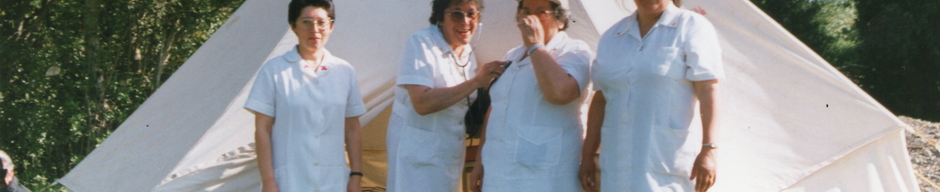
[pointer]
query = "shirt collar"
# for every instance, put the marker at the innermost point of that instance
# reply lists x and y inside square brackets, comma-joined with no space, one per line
[293,56]
[556,41]
[668,19]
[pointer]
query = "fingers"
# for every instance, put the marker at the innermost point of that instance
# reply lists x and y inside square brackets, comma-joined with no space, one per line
[587,182]
[587,175]
[703,180]
[495,67]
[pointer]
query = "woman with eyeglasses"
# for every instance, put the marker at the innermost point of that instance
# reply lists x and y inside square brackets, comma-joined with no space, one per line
[436,81]
[532,138]
[307,107]
[653,69]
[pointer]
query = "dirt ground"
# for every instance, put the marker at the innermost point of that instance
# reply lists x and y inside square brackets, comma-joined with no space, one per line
[923,144]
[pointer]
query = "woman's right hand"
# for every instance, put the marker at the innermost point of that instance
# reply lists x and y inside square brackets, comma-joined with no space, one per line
[269,188]
[489,71]
[588,175]
[476,177]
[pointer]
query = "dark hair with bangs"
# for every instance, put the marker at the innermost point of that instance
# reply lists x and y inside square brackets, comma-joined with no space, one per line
[296,6]
[438,7]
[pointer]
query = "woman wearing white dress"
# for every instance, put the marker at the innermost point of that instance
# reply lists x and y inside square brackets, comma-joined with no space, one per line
[533,131]
[652,69]
[436,80]
[307,107]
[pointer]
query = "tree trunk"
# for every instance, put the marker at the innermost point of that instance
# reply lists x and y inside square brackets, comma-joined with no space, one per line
[95,96]
[165,52]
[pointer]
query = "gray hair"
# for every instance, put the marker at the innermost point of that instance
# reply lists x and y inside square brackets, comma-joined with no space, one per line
[7,162]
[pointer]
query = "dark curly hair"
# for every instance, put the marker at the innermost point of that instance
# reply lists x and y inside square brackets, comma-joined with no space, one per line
[296,6]
[438,6]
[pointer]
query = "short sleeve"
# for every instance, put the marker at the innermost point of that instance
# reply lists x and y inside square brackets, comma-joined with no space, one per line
[415,67]
[703,52]
[354,104]
[597,86]
[577,63]
[263,93]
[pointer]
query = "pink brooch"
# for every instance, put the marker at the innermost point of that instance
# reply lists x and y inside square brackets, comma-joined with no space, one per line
[323,68]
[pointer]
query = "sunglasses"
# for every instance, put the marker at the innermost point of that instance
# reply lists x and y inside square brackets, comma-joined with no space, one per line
[458,16]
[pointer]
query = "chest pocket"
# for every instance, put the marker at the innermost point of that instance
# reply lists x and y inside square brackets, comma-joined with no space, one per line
[664,62]
[669,61]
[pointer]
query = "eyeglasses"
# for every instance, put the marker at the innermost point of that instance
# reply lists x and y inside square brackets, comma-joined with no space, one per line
[321,24]
[523,12]
[457,15]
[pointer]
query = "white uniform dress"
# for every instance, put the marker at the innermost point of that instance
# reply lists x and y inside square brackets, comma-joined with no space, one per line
[648,139]
[531,144]
[426,153]
[309,110]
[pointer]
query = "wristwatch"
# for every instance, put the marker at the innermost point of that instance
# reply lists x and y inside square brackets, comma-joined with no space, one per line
[710,145]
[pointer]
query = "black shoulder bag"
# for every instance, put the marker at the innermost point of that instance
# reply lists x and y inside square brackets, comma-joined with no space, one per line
[477,112]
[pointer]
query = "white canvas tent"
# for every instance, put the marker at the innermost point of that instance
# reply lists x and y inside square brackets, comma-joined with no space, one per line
[791,121]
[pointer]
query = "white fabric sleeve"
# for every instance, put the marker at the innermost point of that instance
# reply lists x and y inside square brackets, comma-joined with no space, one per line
[702,51]
[354,104]
[415,66]
[577,63]
[597,86]
[263,93]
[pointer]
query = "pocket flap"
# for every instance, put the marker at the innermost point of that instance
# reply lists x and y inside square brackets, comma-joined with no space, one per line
[538,134]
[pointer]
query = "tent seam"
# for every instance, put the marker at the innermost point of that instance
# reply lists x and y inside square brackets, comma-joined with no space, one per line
[830,161]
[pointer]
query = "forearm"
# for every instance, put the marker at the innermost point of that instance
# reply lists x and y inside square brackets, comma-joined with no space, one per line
[263,127]
[354,143]
[592,139]
[486,119]
[430,100]
[708,96]
[556,85]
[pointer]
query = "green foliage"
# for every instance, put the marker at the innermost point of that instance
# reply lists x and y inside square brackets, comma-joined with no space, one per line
[109,54]
[901,47]
[891,49]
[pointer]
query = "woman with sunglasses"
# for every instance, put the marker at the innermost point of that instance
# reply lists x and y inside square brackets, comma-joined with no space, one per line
[307,107]
[652,69]
[436,80]
[532,138]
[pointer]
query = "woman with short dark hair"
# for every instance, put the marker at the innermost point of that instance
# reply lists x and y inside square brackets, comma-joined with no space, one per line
[437,78]
[307,107]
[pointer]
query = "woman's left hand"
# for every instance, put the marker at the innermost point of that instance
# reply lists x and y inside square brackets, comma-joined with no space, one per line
[354,185]
[703,171]
[531,28]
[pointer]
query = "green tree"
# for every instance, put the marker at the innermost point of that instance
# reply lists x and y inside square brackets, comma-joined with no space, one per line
[901,52]
[891,49]
[72,71]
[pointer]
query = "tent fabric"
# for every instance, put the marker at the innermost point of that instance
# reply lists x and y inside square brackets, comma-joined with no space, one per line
[791,121]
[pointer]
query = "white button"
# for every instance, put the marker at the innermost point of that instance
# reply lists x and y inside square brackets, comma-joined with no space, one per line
[316,164]
[316,136]
[460,123]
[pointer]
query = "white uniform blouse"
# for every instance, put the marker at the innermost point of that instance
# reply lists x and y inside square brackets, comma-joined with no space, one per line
[531,144]
[648,141]
[309,111]
[426,153]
